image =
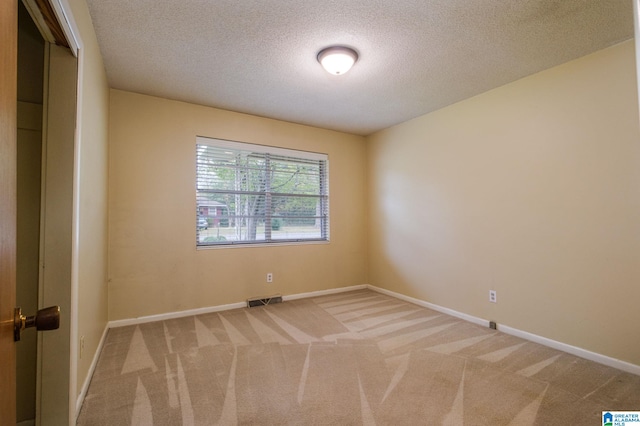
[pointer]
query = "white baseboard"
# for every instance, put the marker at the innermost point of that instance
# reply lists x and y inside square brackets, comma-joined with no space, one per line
[469,318]
[92,368]
[583,353]
[172,315]
[220,308]
[573,350]
[324,292]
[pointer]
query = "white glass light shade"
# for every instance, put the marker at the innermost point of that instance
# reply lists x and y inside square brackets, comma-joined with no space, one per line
[337,60]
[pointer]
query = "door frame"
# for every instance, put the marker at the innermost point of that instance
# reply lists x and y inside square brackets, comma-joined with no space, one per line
[8,204]
[62,15]
[65,19]
[60,11]
[56,235]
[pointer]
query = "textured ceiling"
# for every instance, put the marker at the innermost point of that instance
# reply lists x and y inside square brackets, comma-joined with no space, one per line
[416,56]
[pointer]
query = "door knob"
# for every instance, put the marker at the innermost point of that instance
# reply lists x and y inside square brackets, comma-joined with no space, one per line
[45,319]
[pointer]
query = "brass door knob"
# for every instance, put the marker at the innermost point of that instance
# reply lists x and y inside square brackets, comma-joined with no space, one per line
[44,319]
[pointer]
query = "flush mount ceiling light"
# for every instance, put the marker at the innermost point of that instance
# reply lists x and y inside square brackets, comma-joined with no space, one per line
[337,60]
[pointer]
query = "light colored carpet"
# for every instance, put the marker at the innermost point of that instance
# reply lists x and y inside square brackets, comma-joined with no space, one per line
[351,358]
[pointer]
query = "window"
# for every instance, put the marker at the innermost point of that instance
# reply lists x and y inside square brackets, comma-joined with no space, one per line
[253,194]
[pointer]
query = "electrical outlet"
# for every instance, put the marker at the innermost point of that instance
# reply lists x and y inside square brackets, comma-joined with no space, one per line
[493,298]
[81,346]
[269,277]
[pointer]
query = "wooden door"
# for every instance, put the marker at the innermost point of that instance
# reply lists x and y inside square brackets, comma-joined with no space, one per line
[8,131]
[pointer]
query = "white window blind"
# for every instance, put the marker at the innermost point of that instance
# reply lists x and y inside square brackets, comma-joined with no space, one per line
[254,194]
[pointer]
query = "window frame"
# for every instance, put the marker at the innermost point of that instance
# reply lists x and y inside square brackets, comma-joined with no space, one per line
[293,154]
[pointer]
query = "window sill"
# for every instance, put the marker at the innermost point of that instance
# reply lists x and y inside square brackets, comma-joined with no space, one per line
[260,245]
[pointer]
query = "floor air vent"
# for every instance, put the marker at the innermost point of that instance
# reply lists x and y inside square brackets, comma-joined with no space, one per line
[260,301]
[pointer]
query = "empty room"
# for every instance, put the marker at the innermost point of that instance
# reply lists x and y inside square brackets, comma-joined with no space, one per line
[297,212]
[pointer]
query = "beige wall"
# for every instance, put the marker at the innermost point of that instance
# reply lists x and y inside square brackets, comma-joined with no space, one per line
[532,189]
[92,237]
[154,266]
